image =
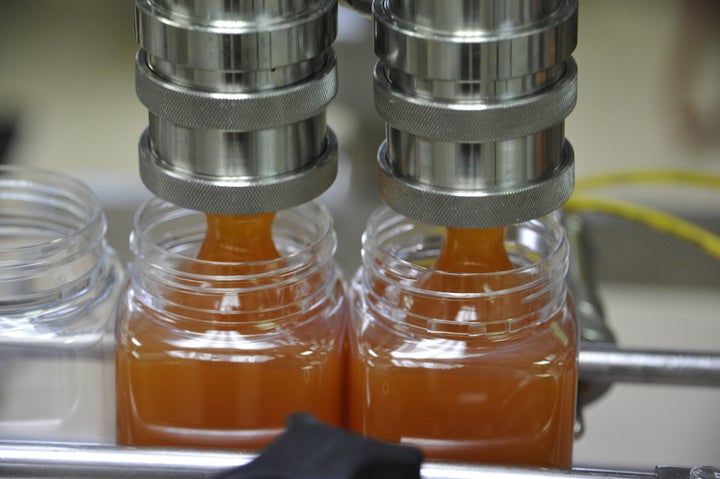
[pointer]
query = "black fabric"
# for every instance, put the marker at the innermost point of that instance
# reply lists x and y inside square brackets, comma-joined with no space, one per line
[311,449]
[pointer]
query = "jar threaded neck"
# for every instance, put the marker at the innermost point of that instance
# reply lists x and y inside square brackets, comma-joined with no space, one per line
[167,276]
[52,249]
[397,257]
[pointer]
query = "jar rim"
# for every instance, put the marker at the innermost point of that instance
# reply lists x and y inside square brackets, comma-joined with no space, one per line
[167,237]
[384,217]
[140,243]
[48,189]
[53,258]
[392,278]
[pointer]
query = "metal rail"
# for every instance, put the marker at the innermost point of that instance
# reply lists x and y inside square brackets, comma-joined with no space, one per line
[599,362]
[603,362]
[34,460]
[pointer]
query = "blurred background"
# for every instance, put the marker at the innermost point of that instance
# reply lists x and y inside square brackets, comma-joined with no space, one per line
[649,98]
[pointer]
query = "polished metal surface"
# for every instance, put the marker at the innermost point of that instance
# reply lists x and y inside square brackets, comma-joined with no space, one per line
[478,46]
[218,11]
[239,111]
[235,35]
[482,90]
[474,94]
[28,460]
[472,166]
[479,206]
[483,14]
[225,81]
[607,363]
[223,155]
[476,166]
[33,460]
[237,92]
[241,193]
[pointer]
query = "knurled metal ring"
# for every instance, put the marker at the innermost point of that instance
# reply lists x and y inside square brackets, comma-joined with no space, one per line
[467,121]
[235,111]
[228,195]
[476,209]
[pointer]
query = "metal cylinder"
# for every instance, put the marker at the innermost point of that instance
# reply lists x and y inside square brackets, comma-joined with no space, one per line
[236,92]
[20,460]
[606,363]
[474,94]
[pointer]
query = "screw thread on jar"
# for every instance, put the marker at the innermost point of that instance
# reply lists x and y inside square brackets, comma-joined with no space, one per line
[59,283]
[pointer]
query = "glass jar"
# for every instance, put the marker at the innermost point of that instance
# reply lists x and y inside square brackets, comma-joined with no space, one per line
[218,354]
[59,283]
[491,373]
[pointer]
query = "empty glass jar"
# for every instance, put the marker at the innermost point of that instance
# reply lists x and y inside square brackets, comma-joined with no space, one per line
[59,283]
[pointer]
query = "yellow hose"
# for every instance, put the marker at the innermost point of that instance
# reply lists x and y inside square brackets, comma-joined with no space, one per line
[650,217]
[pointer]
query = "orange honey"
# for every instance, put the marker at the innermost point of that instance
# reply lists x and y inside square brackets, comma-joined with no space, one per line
[239,238]
[487,377]
[236,348]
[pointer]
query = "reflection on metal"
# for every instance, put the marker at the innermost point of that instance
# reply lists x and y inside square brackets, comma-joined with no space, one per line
[27,460]
[236,93]
[607,363]
[474,95]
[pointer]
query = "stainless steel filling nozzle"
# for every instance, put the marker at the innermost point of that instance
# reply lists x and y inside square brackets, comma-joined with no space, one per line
[236,92]
[474,94]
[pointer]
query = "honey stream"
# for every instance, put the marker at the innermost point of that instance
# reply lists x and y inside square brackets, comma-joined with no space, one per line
[239,238]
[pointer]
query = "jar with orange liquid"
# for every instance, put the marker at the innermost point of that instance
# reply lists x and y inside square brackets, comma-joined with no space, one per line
[228,326]
[463,342]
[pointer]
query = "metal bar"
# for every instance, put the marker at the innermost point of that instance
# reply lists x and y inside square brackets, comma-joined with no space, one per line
[40,460]
[437,470]
[56,461]
[607,363]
